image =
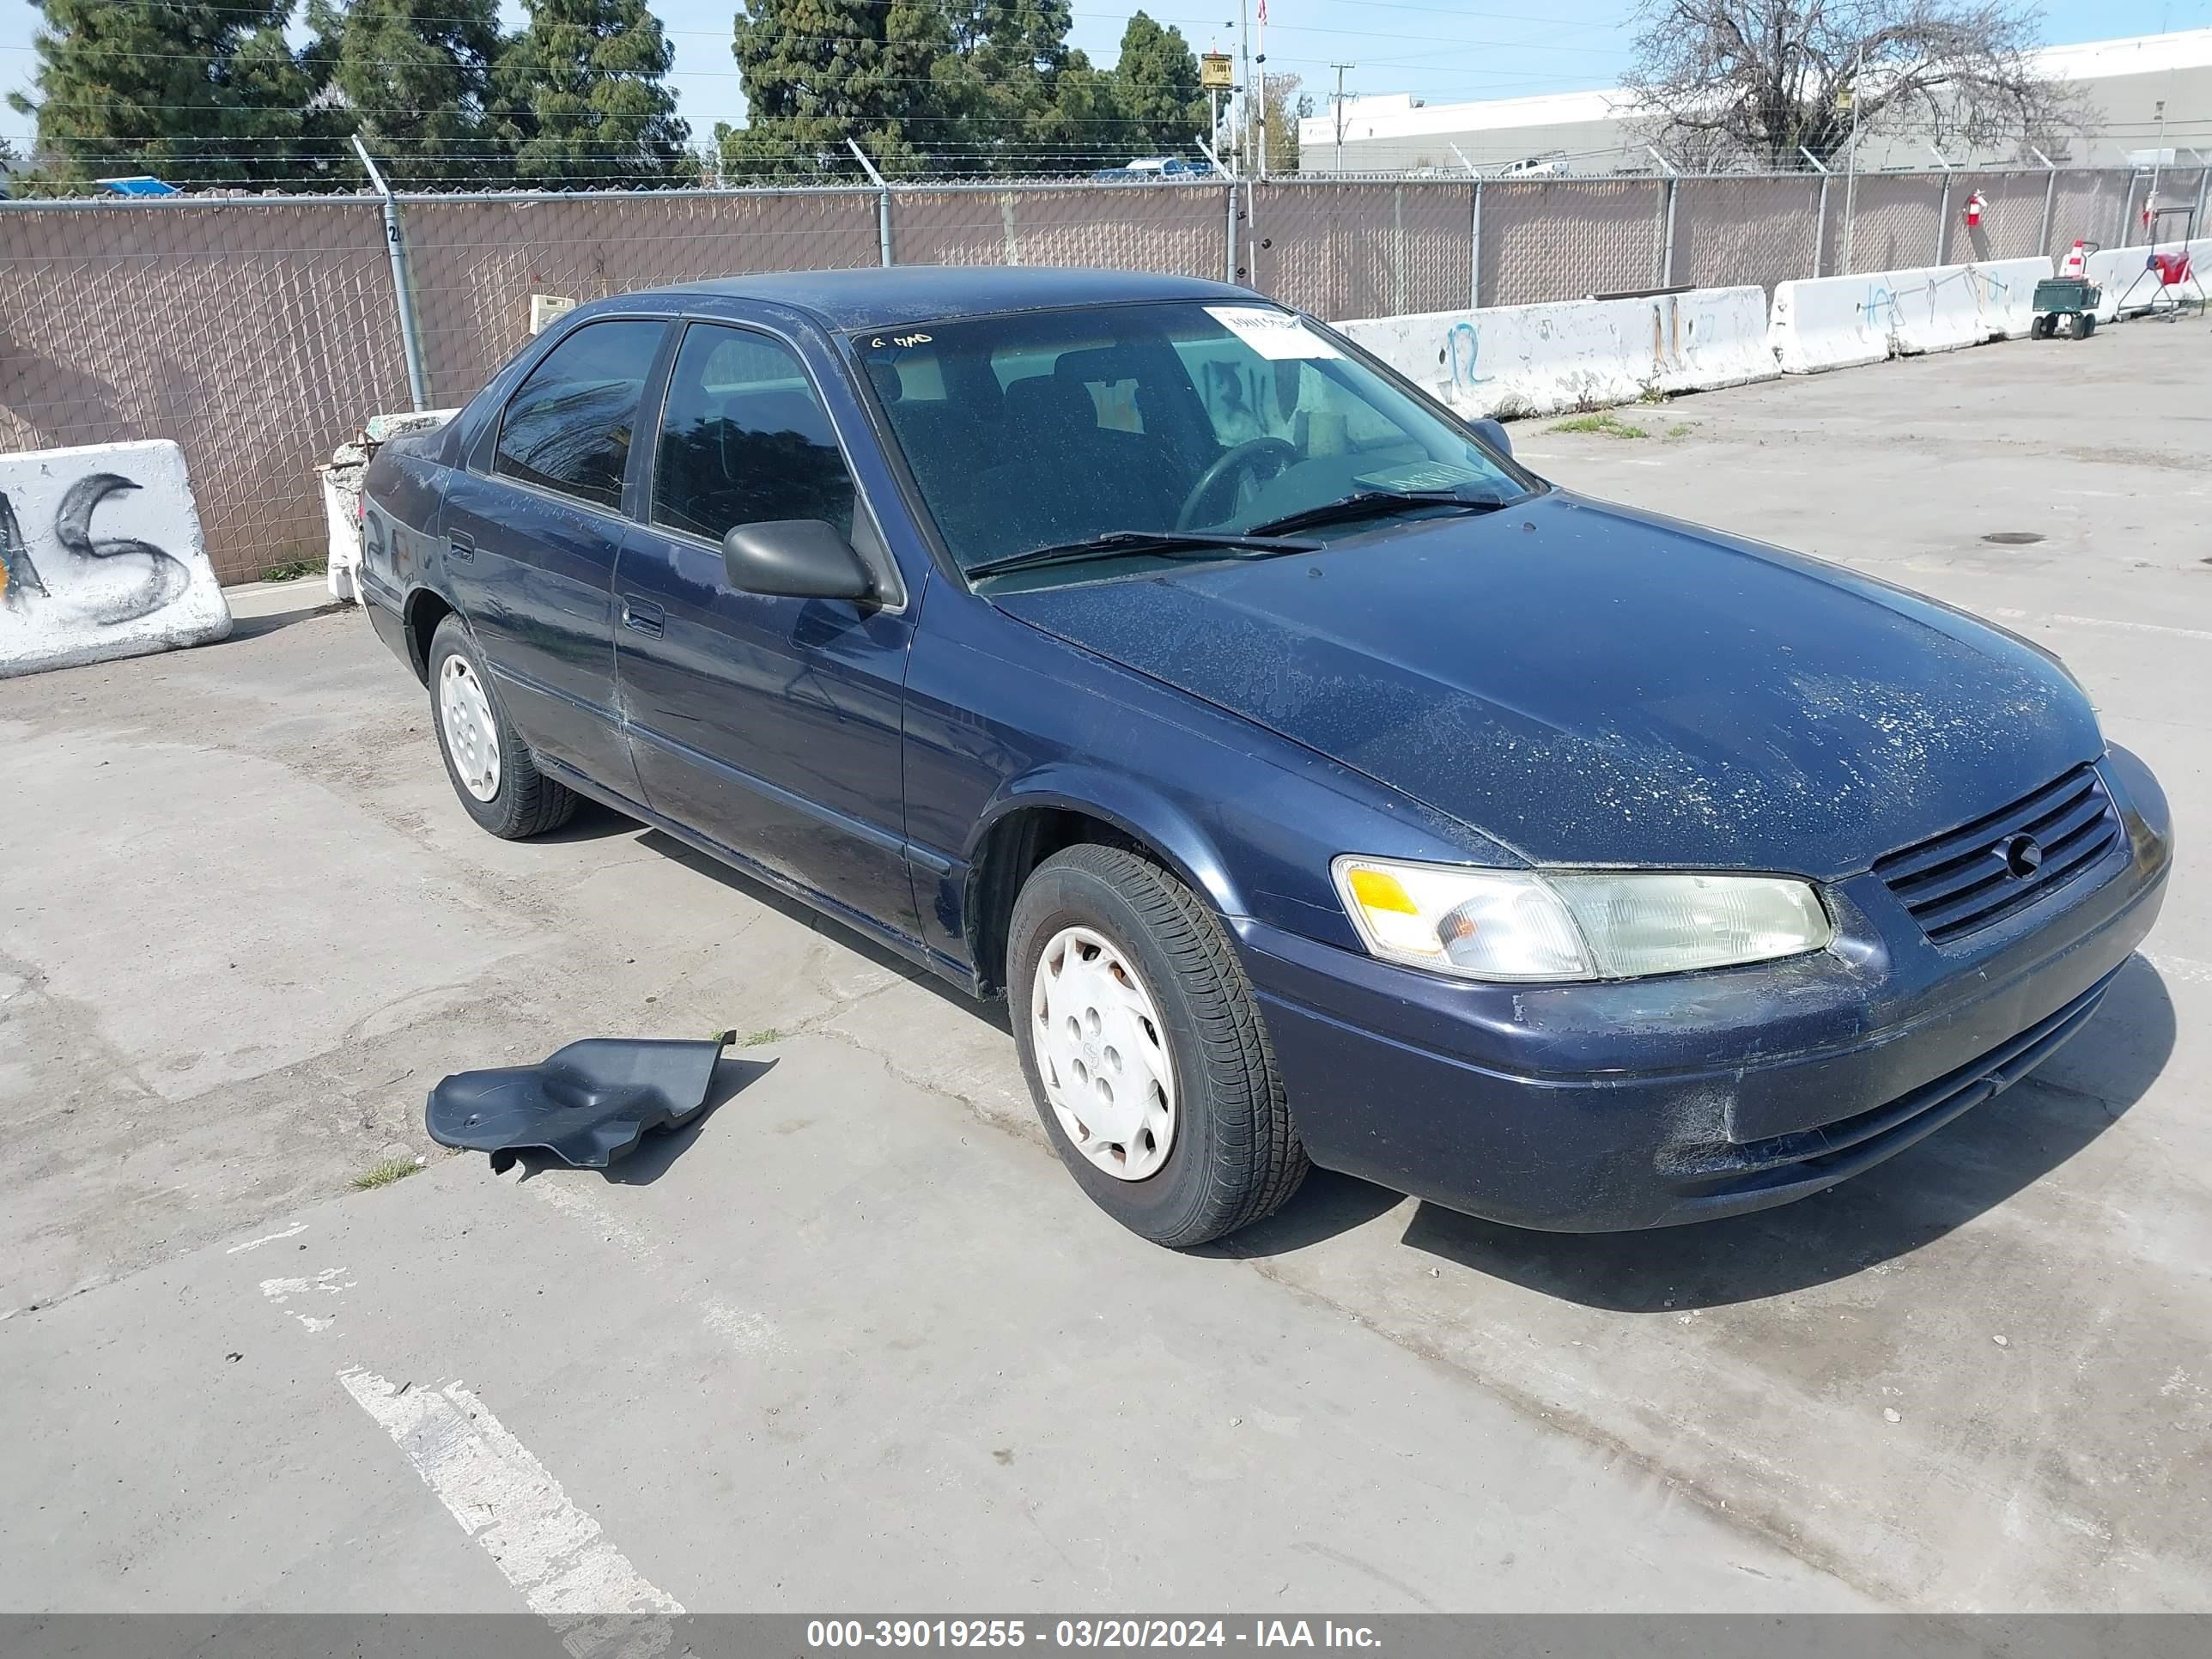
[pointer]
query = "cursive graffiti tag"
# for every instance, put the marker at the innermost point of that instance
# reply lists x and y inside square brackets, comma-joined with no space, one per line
[110,579]
[1463,350]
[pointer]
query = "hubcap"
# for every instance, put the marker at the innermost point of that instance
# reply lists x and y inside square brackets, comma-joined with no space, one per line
[471,738]
[1102,1051]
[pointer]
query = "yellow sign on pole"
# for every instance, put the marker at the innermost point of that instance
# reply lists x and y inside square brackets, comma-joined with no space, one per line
[1217,71]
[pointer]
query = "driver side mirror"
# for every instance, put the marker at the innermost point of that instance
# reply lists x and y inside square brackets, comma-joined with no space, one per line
[796,559]
[1491,432]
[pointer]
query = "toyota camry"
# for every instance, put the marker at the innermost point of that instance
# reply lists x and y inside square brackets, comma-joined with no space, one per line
[1316,782]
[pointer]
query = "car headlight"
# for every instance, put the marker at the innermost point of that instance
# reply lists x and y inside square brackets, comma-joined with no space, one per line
[1555,925]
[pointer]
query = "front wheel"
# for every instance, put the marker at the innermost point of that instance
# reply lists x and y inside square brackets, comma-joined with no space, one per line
[1142,1043]
[491,768]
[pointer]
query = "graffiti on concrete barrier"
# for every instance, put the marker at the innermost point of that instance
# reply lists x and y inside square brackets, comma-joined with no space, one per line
[1463,351]
[102,581]
[19,577]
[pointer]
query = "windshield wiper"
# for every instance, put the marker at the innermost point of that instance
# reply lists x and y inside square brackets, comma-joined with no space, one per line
[1168,542]
[1370,504]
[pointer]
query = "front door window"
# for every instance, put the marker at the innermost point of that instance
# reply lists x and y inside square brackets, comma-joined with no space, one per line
[745,439]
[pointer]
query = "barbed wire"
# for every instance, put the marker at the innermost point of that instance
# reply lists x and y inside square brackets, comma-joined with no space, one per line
[819,39]
[1210,193]
[1110,17]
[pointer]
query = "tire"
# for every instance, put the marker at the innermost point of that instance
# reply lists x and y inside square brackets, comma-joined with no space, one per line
[521,801]
[1232,1155]
[2087,326]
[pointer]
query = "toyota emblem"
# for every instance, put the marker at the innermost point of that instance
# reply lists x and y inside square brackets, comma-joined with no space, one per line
[2023,857]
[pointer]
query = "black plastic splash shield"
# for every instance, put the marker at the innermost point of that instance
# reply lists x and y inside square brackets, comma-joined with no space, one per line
[586,1103]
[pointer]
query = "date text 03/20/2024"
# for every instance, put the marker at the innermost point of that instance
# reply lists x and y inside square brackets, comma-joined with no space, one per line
[829,1634]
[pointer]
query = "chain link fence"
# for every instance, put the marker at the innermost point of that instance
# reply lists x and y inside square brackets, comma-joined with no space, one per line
[260,333]
[474,262]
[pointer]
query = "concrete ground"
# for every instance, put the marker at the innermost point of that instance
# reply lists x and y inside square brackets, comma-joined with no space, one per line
[855,1340]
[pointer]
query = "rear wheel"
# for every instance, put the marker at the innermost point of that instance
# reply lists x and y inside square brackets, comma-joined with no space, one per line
[492,770]
[1142,1043]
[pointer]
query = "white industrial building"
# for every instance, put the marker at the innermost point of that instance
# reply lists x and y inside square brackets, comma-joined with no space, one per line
[2124,84]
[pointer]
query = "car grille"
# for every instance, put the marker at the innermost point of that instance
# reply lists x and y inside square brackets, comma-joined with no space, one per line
[1974,876]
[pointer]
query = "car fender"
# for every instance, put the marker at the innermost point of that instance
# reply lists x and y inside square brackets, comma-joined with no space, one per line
[1138,809]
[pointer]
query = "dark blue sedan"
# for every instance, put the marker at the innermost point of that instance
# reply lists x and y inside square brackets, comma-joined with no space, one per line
[1316,782]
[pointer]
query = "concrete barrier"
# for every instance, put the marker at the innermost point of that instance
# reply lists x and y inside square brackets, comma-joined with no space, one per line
[1576,354]
[101,557]
[341,477]
[2116,270]
[1837,322]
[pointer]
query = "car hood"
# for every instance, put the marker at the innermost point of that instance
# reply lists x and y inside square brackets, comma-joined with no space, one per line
[1590,685]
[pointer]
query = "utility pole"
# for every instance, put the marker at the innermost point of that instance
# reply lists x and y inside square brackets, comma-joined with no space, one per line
[1244,103]
[2157,156]
[1340,68]
[1262,60]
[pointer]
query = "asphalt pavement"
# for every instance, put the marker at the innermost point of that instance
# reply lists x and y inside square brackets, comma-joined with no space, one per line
[854,1339]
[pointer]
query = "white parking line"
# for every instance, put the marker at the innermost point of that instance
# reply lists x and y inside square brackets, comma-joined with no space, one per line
[293,1230]
[745,1330]
[326,1283]
[568,1569]
[2105,621]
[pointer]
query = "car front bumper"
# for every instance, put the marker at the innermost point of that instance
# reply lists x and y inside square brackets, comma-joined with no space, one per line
[1597,1107]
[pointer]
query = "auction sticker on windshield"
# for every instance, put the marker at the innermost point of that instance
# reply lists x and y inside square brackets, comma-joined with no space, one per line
[1273,334]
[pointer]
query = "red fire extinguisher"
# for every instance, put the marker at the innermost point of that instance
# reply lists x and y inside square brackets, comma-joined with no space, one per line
[1975,204]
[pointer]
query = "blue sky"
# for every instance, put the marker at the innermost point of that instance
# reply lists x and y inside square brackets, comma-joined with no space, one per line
[1442,52]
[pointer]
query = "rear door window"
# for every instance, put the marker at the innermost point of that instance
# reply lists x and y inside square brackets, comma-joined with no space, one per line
[745,438]
[568,426]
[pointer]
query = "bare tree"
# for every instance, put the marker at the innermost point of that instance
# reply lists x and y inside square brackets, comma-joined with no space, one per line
[1751,80]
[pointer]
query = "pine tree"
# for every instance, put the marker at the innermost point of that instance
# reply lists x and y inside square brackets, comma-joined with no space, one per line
[579,94]
[1028,101]
[1156,87]
[195,94]
[816,72]
[415,77]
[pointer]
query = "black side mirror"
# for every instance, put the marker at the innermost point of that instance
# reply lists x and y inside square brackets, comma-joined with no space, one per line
[795,559]
[1493,434]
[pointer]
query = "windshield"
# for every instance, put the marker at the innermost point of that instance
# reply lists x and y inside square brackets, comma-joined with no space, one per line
[1048,429]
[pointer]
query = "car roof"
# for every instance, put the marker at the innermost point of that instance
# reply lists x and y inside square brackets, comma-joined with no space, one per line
[878,297]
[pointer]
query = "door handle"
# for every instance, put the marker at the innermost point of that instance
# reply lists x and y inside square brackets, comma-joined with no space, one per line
[462,547]
[643,616]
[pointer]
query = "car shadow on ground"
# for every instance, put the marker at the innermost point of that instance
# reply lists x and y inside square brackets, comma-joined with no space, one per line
[593,821]
[860,944]
[1963,1169]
